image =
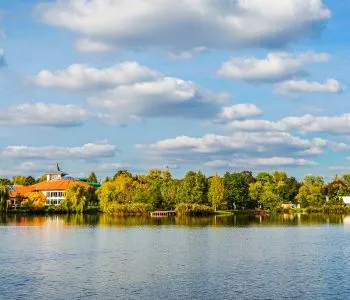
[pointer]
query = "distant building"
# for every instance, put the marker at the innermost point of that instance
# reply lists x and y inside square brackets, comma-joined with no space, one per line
[53,188]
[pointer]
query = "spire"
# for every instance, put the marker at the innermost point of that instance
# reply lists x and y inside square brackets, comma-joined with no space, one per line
[58,167]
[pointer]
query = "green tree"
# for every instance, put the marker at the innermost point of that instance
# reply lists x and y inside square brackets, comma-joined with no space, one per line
[194,188]
[311,193]
[30,180]
[313,180]
[4,198]
[77,198]
[5,181]
[19,180]
[92,177]
[346,179]
[237,190]
[216,192]
[266,189]
[336,190]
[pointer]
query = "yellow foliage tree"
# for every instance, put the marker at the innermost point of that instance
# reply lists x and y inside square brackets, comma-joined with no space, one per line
[216,191]
[37,200]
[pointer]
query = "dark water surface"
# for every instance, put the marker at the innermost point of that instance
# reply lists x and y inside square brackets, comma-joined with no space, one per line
[242,257]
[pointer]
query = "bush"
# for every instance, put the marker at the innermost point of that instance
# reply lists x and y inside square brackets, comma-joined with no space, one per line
[193,210]
[135,209]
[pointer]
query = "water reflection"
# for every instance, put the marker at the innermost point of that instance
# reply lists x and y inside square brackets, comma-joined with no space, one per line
[219,221]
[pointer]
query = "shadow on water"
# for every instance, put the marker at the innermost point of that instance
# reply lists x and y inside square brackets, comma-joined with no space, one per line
[218,221]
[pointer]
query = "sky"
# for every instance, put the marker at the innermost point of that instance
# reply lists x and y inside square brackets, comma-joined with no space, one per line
[209,85]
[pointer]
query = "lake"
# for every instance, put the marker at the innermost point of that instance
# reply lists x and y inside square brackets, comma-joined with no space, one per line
[240,257]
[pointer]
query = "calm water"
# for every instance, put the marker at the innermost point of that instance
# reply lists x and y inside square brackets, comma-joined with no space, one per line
[96,257]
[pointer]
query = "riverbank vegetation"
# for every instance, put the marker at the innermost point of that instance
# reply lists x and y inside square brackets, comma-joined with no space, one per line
[194,194]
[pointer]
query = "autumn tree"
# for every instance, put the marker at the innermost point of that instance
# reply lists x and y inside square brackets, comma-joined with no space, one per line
[216,192]
[77,198]
[36,200]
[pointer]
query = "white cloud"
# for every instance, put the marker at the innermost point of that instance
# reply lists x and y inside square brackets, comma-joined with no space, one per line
[276,161]
[24,168]
[303,86]
[88,151]
[275,67]
[239,111]
[187,24]
[78,76]
[129,91]
[89,46]
[272,143]
[164,97]
[41,114]
[304,124]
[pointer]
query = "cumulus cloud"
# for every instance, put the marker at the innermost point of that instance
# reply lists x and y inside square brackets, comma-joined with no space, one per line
[88,151]
[164,97]
[275,67]
[187,24]
[276,161]
[249,143]
[304,124]
[303,86]
[129,91]
[77,76]
[239,111]
[89,46]
[41,114]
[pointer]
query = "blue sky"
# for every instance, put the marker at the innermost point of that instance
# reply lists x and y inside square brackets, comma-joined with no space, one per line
[207,85]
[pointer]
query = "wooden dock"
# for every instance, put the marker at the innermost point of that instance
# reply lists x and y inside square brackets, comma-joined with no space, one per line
[163,213]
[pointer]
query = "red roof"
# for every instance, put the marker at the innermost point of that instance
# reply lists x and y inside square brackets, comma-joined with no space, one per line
[53,185]
[20,191]
[56,185]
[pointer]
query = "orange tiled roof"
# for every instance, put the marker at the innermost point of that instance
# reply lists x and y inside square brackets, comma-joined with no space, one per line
[56,185]
[20,191]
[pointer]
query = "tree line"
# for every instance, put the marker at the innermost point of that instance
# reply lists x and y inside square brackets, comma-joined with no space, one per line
[134,193]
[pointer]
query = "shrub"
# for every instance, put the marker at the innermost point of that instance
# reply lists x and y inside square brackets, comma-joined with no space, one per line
[135,209]
[193,209]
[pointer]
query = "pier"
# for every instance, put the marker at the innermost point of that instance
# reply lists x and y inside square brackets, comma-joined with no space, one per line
[159,214]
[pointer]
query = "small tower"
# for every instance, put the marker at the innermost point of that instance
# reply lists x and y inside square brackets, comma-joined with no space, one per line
[56,174]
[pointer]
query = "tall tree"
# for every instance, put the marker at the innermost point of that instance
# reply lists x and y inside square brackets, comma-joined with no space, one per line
[92,177]
[77,198]
[19,180]
[4,197]
[237,190]
[216,192]
[311,193]
[194,188]
[30,180]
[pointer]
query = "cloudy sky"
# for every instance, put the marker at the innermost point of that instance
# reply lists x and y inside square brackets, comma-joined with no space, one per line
[209,85]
